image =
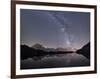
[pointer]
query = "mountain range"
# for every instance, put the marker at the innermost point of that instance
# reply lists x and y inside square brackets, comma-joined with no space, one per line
[39,50]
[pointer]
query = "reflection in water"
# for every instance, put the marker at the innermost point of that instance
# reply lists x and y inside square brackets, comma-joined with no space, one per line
[57,60]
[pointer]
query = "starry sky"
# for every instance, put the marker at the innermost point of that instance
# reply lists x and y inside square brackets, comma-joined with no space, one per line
[55,29]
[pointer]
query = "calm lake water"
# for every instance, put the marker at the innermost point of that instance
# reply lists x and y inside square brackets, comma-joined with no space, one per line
[54,61]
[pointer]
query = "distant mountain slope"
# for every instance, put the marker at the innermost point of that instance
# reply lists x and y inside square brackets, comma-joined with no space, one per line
[85,50]
[30,52]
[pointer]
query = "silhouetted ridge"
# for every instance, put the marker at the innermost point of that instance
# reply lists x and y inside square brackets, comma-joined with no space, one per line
[85,50]
[30,52]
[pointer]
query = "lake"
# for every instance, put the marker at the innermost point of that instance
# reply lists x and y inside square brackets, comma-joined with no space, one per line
[55,61]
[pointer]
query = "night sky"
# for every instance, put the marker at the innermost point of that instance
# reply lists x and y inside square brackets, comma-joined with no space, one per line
[55,29]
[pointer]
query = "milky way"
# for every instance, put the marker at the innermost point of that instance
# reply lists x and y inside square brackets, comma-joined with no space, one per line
[55,28]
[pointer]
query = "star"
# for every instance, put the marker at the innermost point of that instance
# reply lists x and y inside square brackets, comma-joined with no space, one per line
[62,29]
